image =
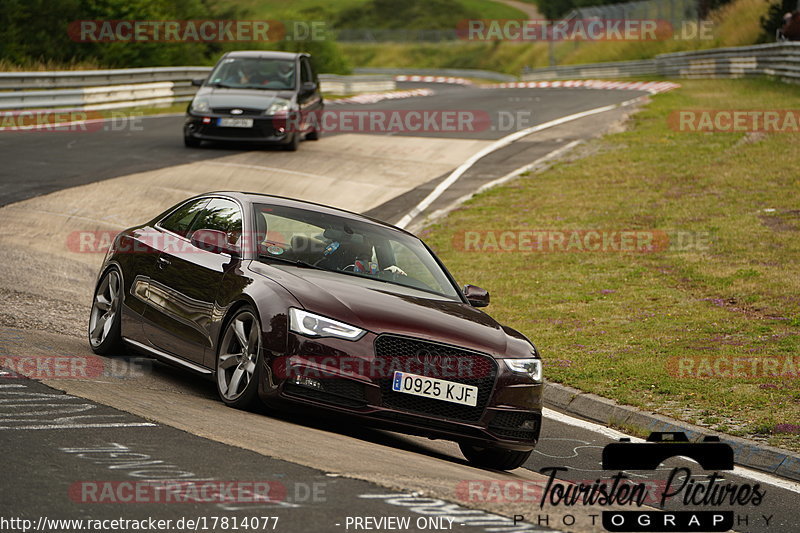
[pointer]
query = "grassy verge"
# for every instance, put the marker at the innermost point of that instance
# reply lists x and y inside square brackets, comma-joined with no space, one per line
[617,324]
[735,24]
[280,9]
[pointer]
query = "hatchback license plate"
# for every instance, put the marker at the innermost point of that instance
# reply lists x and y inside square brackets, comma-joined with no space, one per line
[235,122]
[435,388]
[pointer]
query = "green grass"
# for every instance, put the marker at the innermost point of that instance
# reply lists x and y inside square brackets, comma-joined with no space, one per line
[612,322]
[492,10]
[501,57]
[280,9]
[735,24]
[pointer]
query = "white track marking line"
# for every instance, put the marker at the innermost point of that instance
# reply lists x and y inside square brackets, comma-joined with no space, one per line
[500,143]
[584,424]
[81,426]
[767,479]
[740,471]
[499,181]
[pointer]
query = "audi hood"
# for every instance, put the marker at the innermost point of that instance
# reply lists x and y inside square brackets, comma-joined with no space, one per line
[382,307]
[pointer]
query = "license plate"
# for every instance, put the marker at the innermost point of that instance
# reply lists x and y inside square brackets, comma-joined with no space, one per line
[438,389]
[235,122]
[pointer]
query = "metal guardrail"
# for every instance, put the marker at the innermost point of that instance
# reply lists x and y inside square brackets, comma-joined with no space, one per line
[109,89]
[98,89]
[331,83]
[104,97]
[95,78]
[619,69]
[105,89]
[445,72]
[779,60]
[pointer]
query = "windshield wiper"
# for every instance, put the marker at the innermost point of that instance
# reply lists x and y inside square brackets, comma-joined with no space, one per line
[220,85]
[262,88]
[295,262]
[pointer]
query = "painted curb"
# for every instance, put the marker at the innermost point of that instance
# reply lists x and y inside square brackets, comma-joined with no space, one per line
[371,98]
[604,411]
[653,87]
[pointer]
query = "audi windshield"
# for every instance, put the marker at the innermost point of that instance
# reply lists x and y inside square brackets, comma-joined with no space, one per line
[328,242]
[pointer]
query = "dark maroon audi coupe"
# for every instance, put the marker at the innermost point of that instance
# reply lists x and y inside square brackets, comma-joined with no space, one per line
[294,303]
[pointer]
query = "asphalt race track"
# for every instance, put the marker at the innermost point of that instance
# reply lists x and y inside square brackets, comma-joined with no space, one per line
[137,419]
[46,161]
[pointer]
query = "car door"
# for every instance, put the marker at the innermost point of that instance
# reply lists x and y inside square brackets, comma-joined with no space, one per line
[183,287]
[309,101]
[141,250]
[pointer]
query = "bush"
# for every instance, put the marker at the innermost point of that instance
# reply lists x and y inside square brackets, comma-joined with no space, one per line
[33,31]
[327,57]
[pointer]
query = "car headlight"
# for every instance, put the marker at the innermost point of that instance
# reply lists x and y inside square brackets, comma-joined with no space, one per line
[312,325]
[532,367]
[280,105]
[200,105]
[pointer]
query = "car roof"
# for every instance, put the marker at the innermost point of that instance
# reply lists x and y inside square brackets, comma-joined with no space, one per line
[253,197]
[264,54]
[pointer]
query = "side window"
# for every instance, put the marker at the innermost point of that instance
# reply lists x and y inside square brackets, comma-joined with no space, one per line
[180,220]
[305,71]
[221,215]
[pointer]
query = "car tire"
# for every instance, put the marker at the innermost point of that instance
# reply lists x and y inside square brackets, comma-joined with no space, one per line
[292,145]
[191,142]
[105,318]
[238,361]
[494,458]
[313,135]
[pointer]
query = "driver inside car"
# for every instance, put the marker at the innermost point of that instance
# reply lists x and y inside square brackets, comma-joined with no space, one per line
[247,73]
[352,253]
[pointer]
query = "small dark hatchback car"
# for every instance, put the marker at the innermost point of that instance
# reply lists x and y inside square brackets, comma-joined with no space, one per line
[253,96]
[301,305]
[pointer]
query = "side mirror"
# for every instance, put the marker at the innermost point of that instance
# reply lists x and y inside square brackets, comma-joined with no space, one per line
[214,241]
[197,82]
[308,87]
[476,296]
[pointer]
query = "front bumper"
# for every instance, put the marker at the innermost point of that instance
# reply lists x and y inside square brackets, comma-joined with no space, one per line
[354,378]
[265,129]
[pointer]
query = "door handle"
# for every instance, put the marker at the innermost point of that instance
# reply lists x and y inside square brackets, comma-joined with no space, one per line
[163,262]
